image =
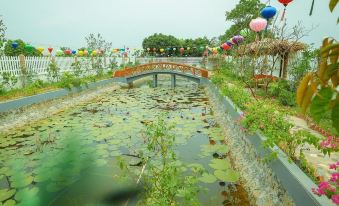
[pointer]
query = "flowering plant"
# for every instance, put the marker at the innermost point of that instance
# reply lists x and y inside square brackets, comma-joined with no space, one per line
[330,188]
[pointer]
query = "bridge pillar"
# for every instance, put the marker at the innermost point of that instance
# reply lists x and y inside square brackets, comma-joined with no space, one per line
[173,80]
[155,80]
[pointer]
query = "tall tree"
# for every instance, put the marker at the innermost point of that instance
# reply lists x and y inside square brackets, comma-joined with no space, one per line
[10,51]
[97,42]
[168,42]
[241,15]
[2,35]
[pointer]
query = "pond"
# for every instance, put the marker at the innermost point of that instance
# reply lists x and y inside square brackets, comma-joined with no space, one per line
[83,153]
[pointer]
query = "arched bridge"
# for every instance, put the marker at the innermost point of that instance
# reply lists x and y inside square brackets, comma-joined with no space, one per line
[129,75]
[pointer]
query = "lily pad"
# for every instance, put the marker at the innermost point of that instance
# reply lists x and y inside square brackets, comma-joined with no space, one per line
[100,162]
[220,164]
[208,178]
[26,193]
[9,203]
[5,194]
[227,176]
[21,181]
[209,149]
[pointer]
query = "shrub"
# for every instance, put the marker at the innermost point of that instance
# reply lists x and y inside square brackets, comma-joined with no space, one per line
[282,91]
[9,79]
[53,71]
[238,95]
[69,80]
[37,84]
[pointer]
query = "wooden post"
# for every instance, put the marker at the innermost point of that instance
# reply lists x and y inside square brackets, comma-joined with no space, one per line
[75,59]
[22,64]
[53,59]
[23,70]
[285,66]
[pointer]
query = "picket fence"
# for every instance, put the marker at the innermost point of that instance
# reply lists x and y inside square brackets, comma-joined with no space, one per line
[38,65]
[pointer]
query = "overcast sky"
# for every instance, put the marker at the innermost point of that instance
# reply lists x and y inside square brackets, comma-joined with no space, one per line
[127,22]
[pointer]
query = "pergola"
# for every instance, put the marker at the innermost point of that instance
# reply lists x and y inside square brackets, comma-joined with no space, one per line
[272,47]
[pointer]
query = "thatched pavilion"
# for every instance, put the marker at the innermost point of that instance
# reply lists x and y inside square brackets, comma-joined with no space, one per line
[272,47]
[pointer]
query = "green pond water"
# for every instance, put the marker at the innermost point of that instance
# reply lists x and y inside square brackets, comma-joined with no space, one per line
[72,157]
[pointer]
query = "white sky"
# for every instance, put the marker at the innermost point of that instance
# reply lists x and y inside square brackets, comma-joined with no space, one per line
[127,22]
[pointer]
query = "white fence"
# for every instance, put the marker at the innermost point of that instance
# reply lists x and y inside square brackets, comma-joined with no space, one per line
[39,65]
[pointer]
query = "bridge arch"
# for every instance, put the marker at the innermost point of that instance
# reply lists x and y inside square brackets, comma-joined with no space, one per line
[129,75]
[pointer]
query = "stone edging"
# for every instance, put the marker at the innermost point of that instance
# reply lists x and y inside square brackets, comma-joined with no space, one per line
[291,178]
[26,101]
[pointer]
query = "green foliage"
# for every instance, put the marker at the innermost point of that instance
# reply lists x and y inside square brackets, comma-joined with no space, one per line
[159,41]
[307,167]
[76,67]
[97,65]
[322,85]
[282,91]
[302,66]
[69,80]
[241,15]
[37,84]
[53,71]
[238,95]
[2,34]
[97,42]
[9,80]
[320,103]
[10,51]
[165,184]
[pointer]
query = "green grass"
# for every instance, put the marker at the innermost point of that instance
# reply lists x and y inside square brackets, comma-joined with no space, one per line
[42,87]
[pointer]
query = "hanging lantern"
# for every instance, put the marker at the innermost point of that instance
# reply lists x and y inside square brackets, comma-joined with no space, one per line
[15,45]
[215,50]
[188,48]
[168,49]
[59,52]
[225,47]
[182,50]
[94,53]
[29,47]
[50,49]
[80,53]
[85,52]
[90,51]
[40,49]
[162,50]
[68,51]
[74,52]
[258,24]
[174,49]
[268,12]
[285,3]
[154,49]
[229,43]
[245,32]
[148,49]
[238,39]
[202,48]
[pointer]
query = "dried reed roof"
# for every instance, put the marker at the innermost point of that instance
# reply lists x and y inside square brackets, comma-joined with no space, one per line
[270,47]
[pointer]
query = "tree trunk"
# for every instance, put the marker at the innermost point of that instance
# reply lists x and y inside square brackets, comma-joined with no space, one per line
[285,66]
